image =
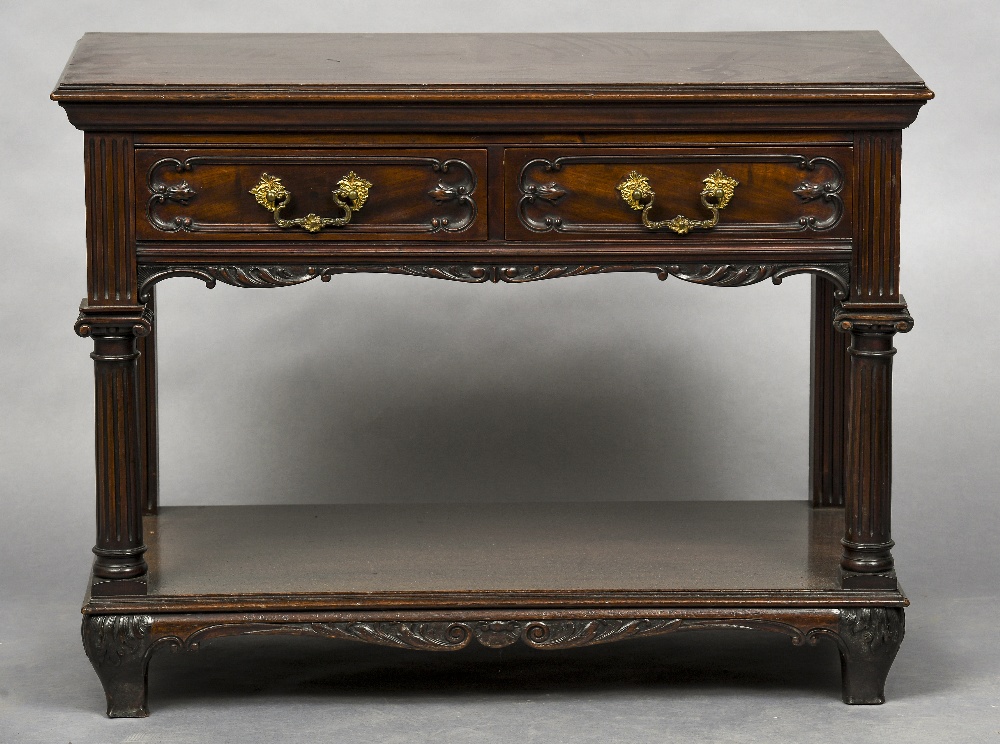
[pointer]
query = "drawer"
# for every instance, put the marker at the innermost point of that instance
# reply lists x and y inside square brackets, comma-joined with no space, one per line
[316,194]
[580,193]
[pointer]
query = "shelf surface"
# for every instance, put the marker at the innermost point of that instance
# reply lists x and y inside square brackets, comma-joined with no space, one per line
[599,547]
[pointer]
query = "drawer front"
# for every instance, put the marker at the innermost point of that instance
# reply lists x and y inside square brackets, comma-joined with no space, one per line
[579,193]
[237,194]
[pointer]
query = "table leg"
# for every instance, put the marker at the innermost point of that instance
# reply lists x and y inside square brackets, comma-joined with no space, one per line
[148,429]
[869,638]
[119,567]
[828,397]
[119,647]
[867,558]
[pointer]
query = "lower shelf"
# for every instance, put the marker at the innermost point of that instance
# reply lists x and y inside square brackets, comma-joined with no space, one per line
[440,577]
[513,555]
[120,646]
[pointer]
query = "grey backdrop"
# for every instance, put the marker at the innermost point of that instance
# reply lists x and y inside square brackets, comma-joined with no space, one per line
[392,388]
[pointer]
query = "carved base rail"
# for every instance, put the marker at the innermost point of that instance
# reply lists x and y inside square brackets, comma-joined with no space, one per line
[287,275]
[120,646]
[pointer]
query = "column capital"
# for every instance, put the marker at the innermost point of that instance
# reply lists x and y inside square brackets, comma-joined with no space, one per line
[114,320]
[864,317]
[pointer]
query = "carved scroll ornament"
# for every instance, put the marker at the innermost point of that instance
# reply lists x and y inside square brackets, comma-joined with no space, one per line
[456,185]
[541,192]
[720,275]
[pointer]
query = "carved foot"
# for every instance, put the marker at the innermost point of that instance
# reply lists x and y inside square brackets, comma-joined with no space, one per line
[870,639]
[119,648]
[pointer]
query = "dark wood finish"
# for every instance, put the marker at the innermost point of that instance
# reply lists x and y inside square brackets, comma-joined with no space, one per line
[120,646]
[875,264]
[793,80]
[111,261]
[632,547]
[287,275]
[149,473]
[569,193]
[118,566]
[165,67]
[868,465]
[244,558]
[869,638]
[205,193]
[828,397]
[518,142]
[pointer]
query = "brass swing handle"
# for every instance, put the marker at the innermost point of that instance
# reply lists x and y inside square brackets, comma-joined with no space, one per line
[349,196]
[718,190]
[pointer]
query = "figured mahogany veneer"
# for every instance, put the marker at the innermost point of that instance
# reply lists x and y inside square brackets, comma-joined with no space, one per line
[569,193]
[494,158]
[205,193]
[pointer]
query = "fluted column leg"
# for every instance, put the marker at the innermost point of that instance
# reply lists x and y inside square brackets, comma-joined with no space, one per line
[119,567]
[867,557]
[828,398]
[149,481]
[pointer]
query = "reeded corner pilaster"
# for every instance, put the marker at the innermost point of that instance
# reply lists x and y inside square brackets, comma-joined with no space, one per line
[867,559]
[869,640]
[119,567]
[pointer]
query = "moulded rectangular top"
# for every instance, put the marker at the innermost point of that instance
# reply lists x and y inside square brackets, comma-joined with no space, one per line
[786,65]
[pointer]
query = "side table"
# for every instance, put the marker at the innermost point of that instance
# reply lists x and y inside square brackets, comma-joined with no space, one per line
[268,160]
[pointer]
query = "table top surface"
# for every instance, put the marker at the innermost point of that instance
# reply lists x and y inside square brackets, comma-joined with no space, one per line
[163,67]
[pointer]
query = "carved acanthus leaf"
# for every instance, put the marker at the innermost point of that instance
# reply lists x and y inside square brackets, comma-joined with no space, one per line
[442,193]
[539,634]
[550,192]
[720,275]
[111,640]
[828,191]
[872,630]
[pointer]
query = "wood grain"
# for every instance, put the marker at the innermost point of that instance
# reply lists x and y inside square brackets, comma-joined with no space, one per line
[828,371]
[108,163]
[470,547]
[302,66]
[178,128]
[571,193]
[416,194]
[875,267]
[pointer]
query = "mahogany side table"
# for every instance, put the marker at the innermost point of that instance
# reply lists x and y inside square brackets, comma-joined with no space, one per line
[723,159]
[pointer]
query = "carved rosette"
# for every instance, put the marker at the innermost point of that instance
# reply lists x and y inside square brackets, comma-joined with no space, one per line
[719,275]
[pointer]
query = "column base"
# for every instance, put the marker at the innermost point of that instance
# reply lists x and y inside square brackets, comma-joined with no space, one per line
[855,580]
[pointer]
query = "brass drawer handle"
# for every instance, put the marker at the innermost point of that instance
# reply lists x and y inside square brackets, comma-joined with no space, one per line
[350,196]
[718,190]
